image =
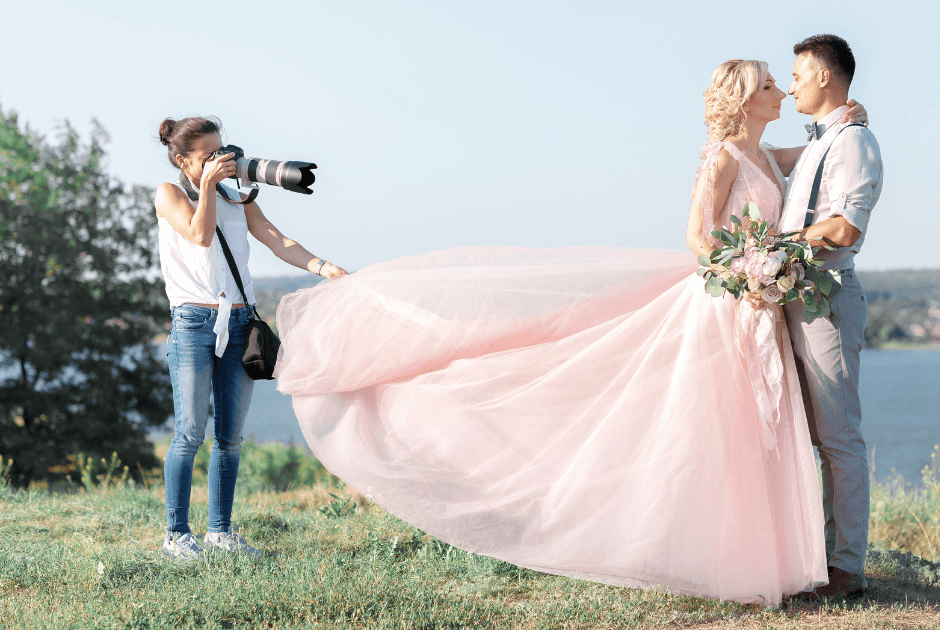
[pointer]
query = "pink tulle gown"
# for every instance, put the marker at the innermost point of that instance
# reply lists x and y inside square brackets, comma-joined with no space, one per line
[588,412]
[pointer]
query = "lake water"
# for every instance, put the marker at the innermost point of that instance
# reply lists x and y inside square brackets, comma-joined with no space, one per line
[900,410]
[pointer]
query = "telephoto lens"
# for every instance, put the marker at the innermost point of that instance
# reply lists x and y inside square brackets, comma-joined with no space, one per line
[293,176]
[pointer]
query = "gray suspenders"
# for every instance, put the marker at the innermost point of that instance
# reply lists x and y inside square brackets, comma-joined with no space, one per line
[811,206]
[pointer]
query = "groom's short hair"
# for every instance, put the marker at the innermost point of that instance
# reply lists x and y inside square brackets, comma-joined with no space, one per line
[832,51]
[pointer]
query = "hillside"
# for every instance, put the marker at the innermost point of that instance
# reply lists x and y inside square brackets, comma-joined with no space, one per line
[904,304]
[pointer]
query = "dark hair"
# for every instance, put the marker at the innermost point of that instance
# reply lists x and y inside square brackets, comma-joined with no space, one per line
[179,136]
[833,52]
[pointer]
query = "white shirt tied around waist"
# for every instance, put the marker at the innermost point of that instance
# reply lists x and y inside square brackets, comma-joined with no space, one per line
[201,275]
[850,187]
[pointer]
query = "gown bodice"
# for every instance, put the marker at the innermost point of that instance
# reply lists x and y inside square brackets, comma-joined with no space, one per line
[751,186]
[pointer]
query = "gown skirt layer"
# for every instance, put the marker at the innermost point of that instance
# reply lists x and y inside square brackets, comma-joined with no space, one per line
[578,411]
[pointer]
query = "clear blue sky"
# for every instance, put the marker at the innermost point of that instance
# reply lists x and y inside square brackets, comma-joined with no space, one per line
[444,123]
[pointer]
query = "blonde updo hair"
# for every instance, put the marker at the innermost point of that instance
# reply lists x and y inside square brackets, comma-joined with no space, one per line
[733,83]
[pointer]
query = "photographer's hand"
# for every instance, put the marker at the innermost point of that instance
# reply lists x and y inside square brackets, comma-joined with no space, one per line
[329,270]
[218,169]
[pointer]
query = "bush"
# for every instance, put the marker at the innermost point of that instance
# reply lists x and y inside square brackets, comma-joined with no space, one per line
[270,467]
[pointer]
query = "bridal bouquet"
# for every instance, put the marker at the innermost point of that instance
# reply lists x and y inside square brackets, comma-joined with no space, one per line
[780,270]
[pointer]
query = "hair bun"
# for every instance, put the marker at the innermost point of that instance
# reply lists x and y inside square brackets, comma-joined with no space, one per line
[166,131]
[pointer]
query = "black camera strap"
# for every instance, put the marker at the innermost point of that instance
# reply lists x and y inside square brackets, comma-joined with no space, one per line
[231,265]
[193,194]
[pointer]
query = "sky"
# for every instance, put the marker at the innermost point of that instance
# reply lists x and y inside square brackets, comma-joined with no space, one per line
[444,123]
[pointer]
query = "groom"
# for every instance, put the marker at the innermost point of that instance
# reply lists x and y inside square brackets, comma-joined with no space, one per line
[827,350]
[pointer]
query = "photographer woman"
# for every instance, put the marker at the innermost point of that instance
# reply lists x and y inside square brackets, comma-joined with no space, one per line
[209,323]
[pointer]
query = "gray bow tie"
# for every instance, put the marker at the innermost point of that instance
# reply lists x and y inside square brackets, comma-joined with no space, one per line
[813,131]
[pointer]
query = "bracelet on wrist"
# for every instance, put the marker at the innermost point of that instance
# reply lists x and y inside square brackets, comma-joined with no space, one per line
[320,266]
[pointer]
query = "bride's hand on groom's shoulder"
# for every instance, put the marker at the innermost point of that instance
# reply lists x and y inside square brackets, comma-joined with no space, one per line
[856,113]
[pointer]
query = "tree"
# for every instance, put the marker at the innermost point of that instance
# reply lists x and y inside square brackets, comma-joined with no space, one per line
[80,304]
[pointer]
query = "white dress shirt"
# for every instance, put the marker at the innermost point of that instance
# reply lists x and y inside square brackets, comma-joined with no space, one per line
[851,183]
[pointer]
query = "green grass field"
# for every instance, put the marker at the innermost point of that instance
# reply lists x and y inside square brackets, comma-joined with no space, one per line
[89,558]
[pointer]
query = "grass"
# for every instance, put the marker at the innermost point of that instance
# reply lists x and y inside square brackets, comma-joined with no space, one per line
[90,558]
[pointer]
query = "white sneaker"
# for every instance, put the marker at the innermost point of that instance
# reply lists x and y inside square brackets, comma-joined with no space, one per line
[178,546]
[230,540]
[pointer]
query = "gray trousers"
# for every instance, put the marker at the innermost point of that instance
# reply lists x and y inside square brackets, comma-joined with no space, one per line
[827,362]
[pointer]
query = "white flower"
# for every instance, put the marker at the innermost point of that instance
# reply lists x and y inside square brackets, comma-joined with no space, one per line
[771,267]
[785,283]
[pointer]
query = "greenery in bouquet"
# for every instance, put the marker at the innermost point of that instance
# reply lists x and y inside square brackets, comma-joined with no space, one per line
[753,259]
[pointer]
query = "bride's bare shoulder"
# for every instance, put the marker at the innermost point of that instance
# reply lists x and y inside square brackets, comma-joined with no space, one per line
[726,165]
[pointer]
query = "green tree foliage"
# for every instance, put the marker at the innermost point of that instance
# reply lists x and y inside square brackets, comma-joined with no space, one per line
[80,303]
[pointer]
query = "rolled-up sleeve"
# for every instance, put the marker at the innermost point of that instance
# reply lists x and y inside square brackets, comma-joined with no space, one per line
[853,176]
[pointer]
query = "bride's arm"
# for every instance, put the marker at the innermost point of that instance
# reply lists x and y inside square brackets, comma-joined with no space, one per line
[786,158]
[726,171]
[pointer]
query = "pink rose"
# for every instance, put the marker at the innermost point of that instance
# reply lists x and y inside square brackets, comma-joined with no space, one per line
[797,271]
[751,254]
[737,265]
[785,283]
[755,268]
[771,293]
[765,280]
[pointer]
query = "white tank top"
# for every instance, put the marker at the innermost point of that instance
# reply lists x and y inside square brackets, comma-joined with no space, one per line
[201,275]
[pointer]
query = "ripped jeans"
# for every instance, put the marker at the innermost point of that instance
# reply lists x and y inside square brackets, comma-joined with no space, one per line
[195,371]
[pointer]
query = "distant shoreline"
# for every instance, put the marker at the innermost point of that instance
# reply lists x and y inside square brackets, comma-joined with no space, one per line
[933,347]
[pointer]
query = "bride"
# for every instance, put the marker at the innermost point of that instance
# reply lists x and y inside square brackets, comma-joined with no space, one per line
[588,412]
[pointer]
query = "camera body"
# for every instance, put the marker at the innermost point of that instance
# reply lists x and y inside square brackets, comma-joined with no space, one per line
[229,148]
[293,176]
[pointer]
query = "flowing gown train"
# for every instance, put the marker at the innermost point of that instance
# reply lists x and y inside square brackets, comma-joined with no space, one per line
[588,412]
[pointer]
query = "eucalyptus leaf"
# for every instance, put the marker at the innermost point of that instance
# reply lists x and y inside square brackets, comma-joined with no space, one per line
[834,289]
[704,260]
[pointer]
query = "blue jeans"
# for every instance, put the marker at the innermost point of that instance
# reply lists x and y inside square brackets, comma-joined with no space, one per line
[195,371]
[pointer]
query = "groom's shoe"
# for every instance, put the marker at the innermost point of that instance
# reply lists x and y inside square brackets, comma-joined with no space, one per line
[843,584]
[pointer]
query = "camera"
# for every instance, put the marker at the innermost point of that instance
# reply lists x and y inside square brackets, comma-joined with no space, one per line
[293,176]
